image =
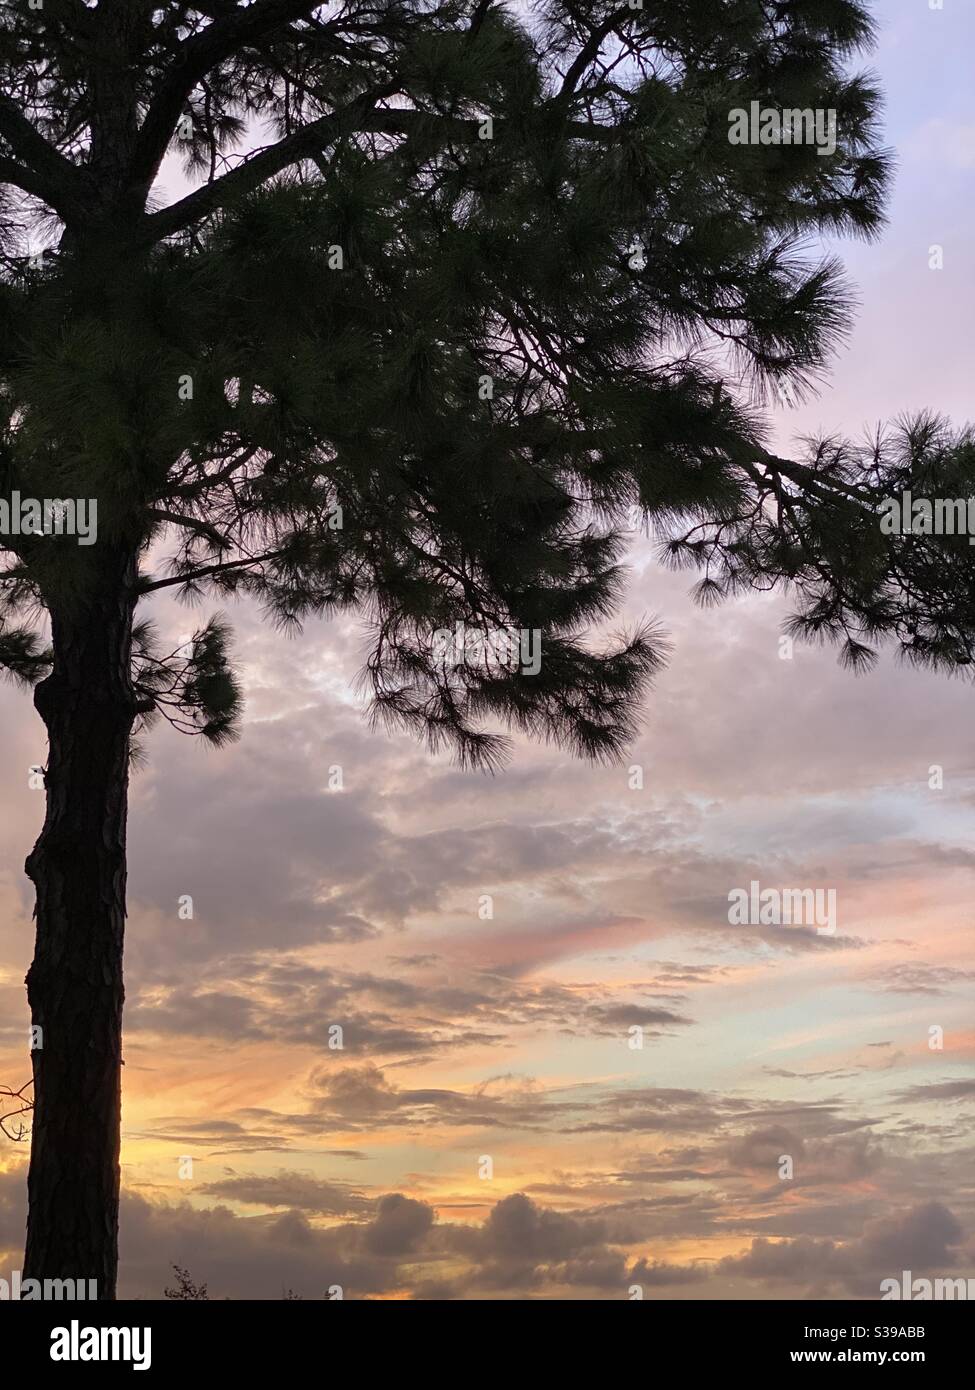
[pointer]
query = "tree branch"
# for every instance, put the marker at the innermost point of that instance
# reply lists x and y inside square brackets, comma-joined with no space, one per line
[23,178]
[193,523]
[207,569]
[23,1106]
[358,118]
[195,57]
[55,179]
[590,50]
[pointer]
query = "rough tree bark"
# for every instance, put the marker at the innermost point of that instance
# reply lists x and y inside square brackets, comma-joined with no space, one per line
[74,985]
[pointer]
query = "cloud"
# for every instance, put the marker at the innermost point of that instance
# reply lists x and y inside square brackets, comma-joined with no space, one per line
[359,1096]
[939,1092]
[400,1226]
[389,1016]
[518,1229]
[911,977]
[922,1238]
[297,1191]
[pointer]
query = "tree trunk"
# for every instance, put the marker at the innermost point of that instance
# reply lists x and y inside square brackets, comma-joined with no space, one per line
[74,985]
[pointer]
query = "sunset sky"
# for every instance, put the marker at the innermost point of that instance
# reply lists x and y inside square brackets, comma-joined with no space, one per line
[507,1039]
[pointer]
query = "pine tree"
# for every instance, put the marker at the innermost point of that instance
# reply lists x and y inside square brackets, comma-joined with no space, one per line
[453,298]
